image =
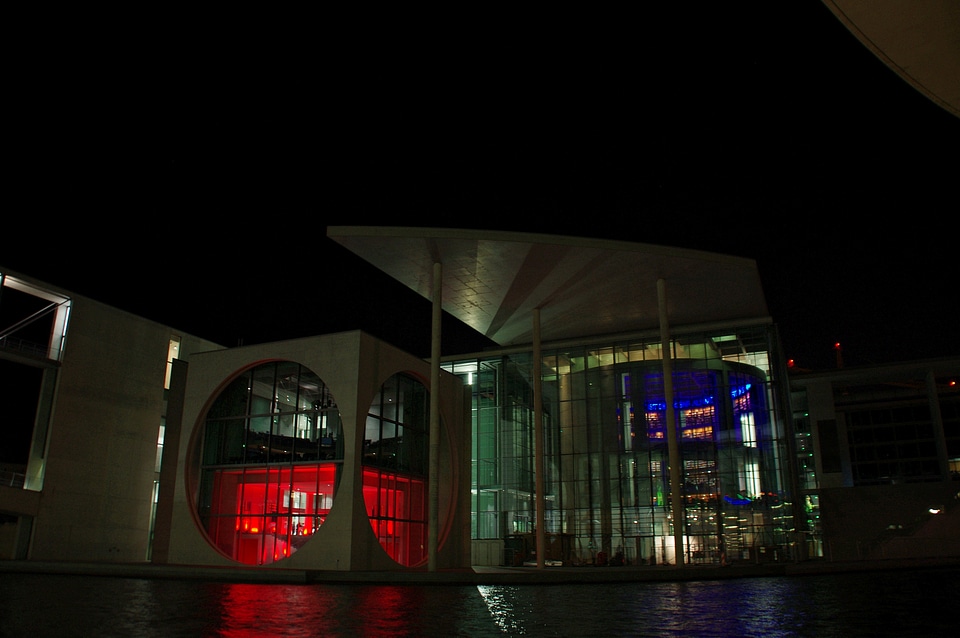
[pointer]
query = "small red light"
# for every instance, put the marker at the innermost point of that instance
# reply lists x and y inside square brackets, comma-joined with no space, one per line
[836,346]
[789,363]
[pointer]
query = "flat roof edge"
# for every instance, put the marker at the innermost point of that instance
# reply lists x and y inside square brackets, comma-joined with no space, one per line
[428,232]
[654,333]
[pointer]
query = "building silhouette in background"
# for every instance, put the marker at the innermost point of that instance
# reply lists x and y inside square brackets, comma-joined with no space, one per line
[881,444]
[636,409]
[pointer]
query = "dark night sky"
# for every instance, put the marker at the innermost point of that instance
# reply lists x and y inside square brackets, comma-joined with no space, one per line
[190,178]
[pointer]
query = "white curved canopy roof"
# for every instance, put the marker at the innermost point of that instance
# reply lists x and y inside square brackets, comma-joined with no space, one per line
[918,39]
[492,280]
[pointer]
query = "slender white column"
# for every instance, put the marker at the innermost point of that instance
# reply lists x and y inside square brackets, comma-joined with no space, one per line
[933,398]
[433,505]
[538,439]
[673,436]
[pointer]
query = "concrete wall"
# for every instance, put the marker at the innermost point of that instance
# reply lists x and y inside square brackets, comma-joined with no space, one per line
[891,521]
[101,443]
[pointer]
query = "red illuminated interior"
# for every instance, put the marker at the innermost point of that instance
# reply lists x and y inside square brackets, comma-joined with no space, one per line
[262,515]
[396,505]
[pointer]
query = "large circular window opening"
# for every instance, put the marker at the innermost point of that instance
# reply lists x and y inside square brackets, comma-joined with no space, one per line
[272,454]
[395,466]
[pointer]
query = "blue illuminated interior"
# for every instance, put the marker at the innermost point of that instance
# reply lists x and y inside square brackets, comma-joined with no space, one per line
[696,402]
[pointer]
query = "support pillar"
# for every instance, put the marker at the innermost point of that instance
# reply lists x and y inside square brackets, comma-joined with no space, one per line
[541,499]
[673,435]
[933,400]
[433,504]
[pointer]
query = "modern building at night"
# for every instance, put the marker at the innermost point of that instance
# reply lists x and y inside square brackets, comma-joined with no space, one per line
[593,483]
[878,456]
[150,445]
[631,387]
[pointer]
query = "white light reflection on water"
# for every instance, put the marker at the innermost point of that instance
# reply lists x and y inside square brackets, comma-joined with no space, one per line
[499,600]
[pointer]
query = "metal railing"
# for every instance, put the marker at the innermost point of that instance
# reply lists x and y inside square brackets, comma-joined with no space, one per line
[9,478]
[29,348]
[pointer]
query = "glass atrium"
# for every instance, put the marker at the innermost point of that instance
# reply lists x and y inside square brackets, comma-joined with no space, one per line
[607,480]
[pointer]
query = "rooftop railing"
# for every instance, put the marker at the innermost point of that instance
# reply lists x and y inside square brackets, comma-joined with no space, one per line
[29,348]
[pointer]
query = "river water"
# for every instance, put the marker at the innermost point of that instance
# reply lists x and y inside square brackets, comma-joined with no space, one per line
[921,602]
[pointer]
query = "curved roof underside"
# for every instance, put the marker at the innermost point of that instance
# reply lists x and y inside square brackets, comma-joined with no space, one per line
[492,281]
[919,40]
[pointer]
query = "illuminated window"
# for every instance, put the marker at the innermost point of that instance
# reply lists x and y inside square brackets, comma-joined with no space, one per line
[750,480]
[173,352]
[743,408]
[395,459]
[272,454]
[748,429]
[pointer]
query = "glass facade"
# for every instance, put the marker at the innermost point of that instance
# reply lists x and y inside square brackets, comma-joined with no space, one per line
[395,464]
[893,444]
[607,484]
[809,525]
[272,454]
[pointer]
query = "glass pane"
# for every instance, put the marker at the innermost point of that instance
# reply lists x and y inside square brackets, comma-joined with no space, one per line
[265,513]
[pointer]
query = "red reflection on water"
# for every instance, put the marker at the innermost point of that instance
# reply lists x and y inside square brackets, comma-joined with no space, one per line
[270,610]
[247,610]
[397,609]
